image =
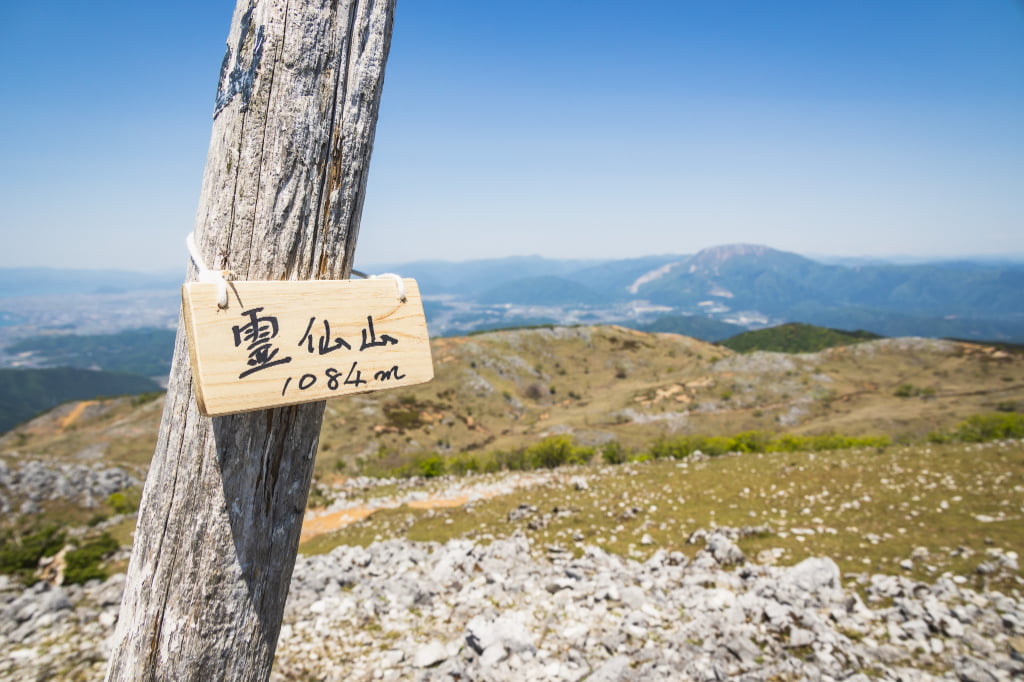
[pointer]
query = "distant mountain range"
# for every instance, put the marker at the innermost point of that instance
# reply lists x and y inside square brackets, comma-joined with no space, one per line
[50,281]
[741,285]
[712,295]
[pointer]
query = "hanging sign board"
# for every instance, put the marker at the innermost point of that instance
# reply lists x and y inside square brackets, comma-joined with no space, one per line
[282,343]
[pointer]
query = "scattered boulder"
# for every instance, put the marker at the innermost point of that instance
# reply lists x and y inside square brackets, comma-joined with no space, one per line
[398,610]
[429,654]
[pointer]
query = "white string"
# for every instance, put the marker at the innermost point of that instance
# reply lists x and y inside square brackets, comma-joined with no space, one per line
[221,276]
[399,282]
[207,275]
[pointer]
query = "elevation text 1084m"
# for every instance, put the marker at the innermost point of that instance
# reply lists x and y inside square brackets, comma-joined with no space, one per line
[281,343]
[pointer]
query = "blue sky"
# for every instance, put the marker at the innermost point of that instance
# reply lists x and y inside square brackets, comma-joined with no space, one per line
[567,129]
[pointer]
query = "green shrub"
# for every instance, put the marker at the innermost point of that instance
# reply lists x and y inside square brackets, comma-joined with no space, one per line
[489,464]
[120,504]
[983,427]
[83,564]
[463,463]
[750,441]
[403,419]
[405,413]
[581,455]
[20,555]
[430,466]
[675,448]
[556,451]
[829,441]
[787,442]
[872,442]
[911,391]
[614,453]
[511,460]
[716,445]
[758,441]
[534,392]
[549,453]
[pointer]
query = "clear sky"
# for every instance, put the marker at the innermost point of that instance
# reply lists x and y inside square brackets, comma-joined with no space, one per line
[563,128]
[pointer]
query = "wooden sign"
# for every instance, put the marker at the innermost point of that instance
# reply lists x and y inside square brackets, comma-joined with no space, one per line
[281,343]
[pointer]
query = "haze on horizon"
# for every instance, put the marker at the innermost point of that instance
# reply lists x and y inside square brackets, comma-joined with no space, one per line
[561,129]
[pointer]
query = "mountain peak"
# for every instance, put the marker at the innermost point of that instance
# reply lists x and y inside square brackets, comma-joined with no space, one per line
[720,254]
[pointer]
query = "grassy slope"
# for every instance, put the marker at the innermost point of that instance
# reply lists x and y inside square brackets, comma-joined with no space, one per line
[494,391]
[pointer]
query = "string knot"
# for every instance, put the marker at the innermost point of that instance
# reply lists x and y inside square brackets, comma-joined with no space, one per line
[221,277]
[399,282]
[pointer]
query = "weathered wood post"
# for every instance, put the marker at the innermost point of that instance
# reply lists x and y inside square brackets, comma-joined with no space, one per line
[282,194]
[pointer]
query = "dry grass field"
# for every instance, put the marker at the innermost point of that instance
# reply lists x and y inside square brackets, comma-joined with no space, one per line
[920,510]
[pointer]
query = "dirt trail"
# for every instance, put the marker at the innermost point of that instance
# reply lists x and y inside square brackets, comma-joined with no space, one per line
[318,522]
[75,413]
[333,521]
[445,502]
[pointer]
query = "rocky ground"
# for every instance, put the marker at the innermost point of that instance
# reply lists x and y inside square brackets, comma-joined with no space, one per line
[398,610]
[520,597]
[24,488]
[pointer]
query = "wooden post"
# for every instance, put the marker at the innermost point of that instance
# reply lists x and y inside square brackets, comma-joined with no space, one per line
[282,194]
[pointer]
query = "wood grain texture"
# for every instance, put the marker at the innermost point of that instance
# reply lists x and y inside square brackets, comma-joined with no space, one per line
[285,343]
[282,193]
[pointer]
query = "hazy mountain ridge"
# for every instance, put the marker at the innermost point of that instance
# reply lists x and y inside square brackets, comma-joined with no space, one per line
[51,281]
[749,286]
[542,290]
[775,283]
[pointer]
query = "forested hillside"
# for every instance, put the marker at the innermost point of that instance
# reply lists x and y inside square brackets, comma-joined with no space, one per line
[25,393]
[795,338]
